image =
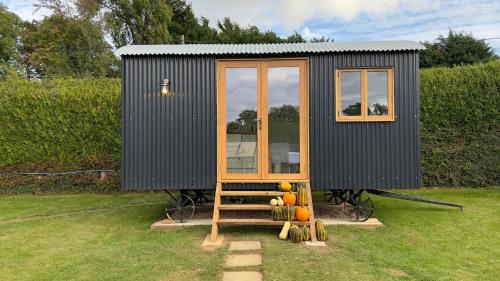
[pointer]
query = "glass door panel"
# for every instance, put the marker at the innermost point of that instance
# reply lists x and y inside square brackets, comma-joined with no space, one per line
[241,120]
[262,127]
[283,120]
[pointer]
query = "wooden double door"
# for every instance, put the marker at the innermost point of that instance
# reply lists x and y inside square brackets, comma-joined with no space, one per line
[262,120]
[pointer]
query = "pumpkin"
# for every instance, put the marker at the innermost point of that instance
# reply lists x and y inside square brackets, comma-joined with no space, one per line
[302,213]
[284,186]
[284,231]
[306,233]
[289,198]
[321,232]
[295,234]
[301,196]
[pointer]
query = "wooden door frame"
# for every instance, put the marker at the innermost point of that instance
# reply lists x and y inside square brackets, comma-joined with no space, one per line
[262,175]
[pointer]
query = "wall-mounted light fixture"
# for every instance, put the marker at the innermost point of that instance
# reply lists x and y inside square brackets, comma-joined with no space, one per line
[165,91]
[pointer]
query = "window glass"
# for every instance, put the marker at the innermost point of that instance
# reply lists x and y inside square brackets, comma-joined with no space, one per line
[283,96]
[351,93]
[241,127]
[377,93]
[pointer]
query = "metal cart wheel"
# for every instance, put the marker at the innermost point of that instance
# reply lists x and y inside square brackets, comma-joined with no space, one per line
[201,196]
[337,197]
[179,208]
[361,204]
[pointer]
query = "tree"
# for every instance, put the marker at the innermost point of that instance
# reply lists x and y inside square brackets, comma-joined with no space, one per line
[321,39]
[10,25]
[137,21]
[295,38]
[64,46]
[232,33]
[457,48]
[352,109]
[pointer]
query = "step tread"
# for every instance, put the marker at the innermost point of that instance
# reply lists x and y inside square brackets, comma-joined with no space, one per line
[238,207]
[256,222]
[252,193]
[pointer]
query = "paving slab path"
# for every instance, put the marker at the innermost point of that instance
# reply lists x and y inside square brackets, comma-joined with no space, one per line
[243,254]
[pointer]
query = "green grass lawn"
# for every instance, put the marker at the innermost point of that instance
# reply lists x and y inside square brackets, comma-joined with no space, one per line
[106,237]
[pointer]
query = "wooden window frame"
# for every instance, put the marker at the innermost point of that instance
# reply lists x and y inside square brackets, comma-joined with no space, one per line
[364,117]
[262,175]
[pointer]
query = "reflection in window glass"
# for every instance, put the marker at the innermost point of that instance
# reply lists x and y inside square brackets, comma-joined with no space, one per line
[283,120]
[351,93]
[377,93]
[241,126]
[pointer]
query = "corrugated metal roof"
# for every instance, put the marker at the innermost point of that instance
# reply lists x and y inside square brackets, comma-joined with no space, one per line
[257,49]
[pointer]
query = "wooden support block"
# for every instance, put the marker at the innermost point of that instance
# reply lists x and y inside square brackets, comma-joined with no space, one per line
[311,212]
[215,227]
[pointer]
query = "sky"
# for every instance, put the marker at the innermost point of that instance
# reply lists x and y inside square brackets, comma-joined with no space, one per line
[345,20]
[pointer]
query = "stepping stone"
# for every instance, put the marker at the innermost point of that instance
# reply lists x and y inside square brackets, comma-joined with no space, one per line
[237,260]
[242,276]
[244,246]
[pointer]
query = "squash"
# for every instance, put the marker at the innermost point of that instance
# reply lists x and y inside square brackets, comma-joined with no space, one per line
[321,232]
[301,196]
[280,201]
[295,234]
[274,202]
[289,198]
[302,213]
[284,231]
[319,224]
[276,213]
[306,233]
[288,213]
[284,186]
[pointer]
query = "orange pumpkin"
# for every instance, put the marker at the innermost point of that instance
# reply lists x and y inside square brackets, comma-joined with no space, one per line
[289,198]
[302,213]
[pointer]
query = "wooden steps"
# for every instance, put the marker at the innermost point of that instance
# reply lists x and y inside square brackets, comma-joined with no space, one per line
[252,193]
[245,207]
[255,222]
[219,193]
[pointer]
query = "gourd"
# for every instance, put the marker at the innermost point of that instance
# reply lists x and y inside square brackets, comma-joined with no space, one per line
[284,186]
[274,202]
[306,233]
[301,196]
[295,234]
[321,232]
[280,201]
[288,212]
[289,198]
[276,213]
[302,213]
[284,231]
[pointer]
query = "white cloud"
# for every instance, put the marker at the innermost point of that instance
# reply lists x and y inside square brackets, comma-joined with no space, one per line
[293,14]
[308,34]
[25,9]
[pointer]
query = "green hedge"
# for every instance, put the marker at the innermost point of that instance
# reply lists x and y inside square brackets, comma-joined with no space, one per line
[460,126]
[73,124]
[59,124]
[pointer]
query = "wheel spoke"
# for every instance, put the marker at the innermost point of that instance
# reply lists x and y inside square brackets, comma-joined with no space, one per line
[365,201]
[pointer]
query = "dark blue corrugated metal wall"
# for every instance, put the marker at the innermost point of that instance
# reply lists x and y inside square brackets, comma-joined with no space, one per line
[170,142]
[346,155]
